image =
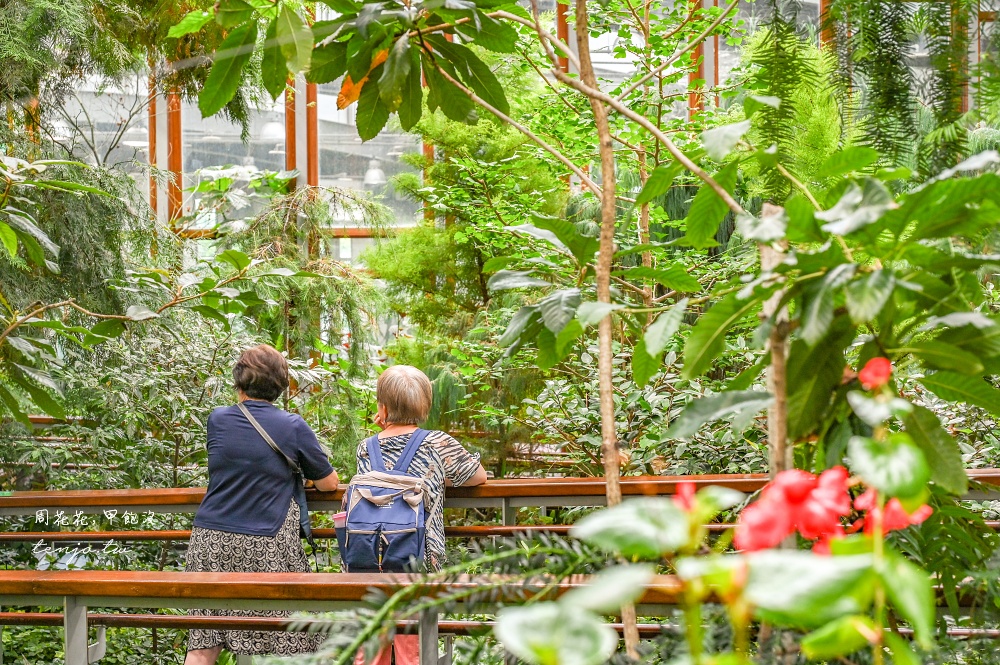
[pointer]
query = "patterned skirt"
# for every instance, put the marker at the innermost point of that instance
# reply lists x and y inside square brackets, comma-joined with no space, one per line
[211,551]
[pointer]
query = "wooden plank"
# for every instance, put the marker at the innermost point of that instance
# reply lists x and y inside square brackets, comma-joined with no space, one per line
[327,587]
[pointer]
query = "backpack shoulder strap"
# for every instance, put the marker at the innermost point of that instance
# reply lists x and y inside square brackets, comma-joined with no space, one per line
[410,451]
[375,454]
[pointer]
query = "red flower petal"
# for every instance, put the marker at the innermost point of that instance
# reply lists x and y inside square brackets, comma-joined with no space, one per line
[875,374]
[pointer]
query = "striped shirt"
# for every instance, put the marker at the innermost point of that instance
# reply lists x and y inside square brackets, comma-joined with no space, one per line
[439,457]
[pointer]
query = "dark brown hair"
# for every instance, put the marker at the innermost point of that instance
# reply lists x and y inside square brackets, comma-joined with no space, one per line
[261,373]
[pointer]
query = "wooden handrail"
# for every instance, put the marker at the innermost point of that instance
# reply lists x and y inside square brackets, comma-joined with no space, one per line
[324,587]
[504,489]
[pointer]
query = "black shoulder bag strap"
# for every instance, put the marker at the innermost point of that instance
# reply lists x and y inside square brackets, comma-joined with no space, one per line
[305,527]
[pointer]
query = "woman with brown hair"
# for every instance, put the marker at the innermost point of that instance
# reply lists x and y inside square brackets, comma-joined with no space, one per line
[249,519]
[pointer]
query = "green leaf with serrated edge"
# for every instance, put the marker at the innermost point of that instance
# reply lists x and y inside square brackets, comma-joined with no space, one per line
[956,387]
[674,277]
[802,224]
[42,399]
[569,334]
[555,634]
[442,94]
[846,161]
[591,313]
[26,226]
[39,376]
[329,63]
[13,406]
[525,320]
[666,325]
[706,409]
[807,590]
[708,337]
[867,295]
[658,182]
[645,528]
[911,594]
[940,449]
[900,649]
[644,365]
[708,210]
[939,355]
[273,70]
[296,39]
[766,228]
[192,22]
[474,73]
[813,374]
[514,279]
[558,308]
[211,313]
[611,588]
[227,70]
[372,114]
[491,34]
[395,72]
[548,356]
[412,105]
[233,12]
[838,638]
[720,141]
[233,257]
[8,238]
[857,208]
[894,466]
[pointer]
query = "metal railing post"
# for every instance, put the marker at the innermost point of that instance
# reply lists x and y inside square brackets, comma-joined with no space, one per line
[244,659]
[508,513]
[77,651]
[428,633]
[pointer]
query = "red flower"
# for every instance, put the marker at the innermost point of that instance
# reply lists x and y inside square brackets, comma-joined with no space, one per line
[762,525]
[796,499]
[685,496]
[875,374]
[895,516]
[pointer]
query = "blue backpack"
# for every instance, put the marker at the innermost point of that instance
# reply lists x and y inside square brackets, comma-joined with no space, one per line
[384,529]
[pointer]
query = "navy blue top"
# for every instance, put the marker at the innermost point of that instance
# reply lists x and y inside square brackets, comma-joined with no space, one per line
[249,485]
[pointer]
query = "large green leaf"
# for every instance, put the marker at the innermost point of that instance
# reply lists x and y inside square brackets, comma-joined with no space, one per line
[329,63]
[766,228]
[40,397]
[666,325]
[847,160]
[227,70]
[659,181]
[558,308]
[867,295]
[514,279]
[233,12]
[720,141]
[858,207]
[939,355]
[8,238]
[296,39]
[582,247]
[395,73]
[548,351]
[838,638]
[13,406]
[813,374]
[956,387]
[708,338]
[489,33]
[555,634]
[894,466]
[707,409]
[473,72]
[372,114]
[412,105]
[273,69]
[911,594]
[592,313]
[673,276]
[803,589]
[644,364]
[525,323]
[192,22]
[817,314]
[646,528]
[708,209]
[441,94]
[24,224]
[611,588]
[940,449]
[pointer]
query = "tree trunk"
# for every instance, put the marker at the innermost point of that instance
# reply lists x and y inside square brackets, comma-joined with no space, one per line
[779,452]
[609,437]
